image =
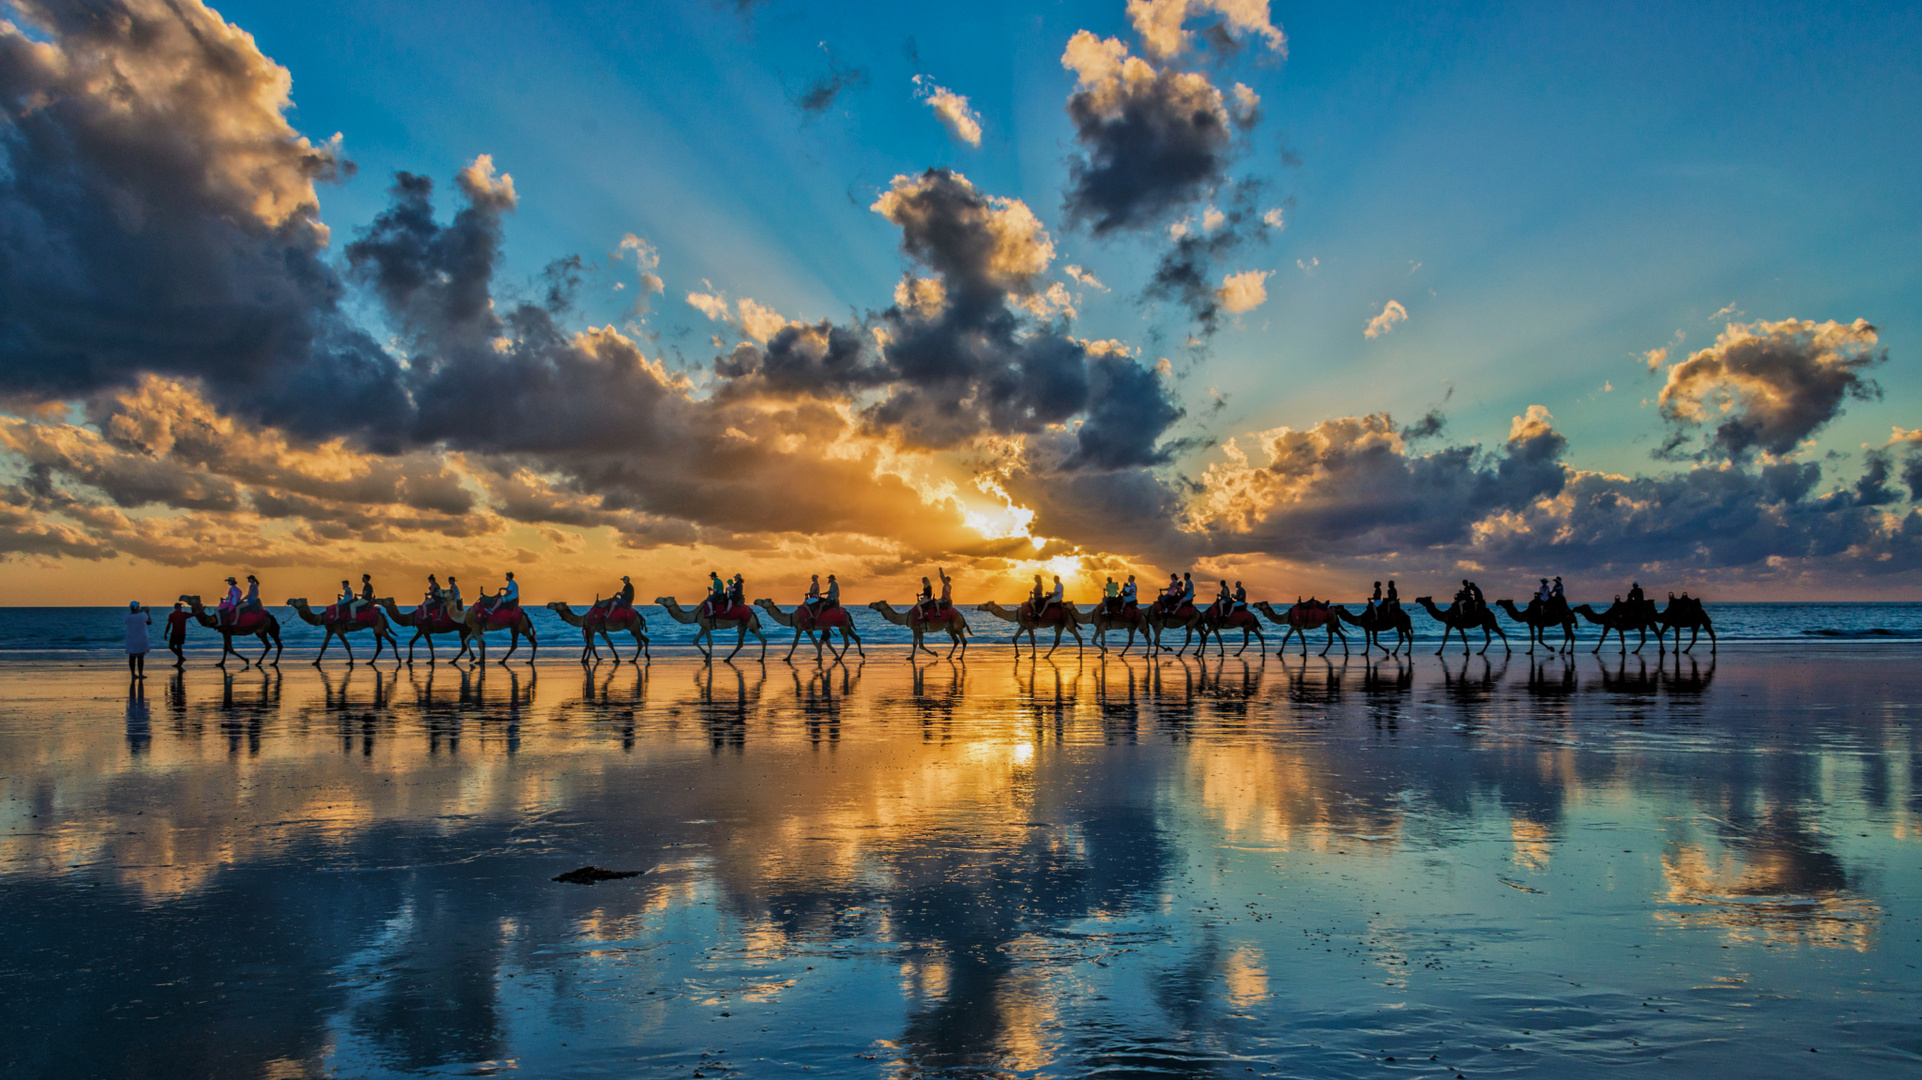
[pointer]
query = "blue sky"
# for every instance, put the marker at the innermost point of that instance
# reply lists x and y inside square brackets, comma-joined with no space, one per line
[1550,190]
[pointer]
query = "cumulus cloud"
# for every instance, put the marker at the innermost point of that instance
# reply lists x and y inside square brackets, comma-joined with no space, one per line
[962,122]
[1150,140]
[1159,22]
[1772,384]
[1391,313]
[1243,292]
[161,216]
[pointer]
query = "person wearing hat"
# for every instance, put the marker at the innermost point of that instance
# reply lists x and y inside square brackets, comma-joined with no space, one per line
[812,601]
[250,602]
[230,604]
[435,600]
[834,594]
[625,597]
[138,619]
[453,596]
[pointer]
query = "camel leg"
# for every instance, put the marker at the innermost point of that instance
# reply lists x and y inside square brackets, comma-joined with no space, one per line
[848,632]
[1446,629]
[797,644]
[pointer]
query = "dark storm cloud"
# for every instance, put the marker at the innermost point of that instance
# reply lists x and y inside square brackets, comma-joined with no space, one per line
[1150,141]
[1775,383]
[157,214]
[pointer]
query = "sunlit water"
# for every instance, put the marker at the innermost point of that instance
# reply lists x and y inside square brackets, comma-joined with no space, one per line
[1699,867]
[38,631]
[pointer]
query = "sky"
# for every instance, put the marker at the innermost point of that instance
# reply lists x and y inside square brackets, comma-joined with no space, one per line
[1278,293]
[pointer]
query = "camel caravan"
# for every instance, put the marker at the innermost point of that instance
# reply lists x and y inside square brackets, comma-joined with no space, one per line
[820,617]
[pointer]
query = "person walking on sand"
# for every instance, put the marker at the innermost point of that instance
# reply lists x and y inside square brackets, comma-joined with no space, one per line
[138,619]
[177,632]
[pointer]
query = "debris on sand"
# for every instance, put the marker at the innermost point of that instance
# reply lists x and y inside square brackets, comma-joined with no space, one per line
[588,875]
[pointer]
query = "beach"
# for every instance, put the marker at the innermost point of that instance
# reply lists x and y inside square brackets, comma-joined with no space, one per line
[1254,866]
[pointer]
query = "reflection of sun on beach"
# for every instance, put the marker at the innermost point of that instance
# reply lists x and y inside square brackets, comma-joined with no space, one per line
[1533,841]
[1282,799]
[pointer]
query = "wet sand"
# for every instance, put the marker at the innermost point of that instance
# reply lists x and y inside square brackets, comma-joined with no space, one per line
[1298,867]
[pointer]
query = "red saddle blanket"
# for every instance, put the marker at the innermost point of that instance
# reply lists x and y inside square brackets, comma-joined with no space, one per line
[608,612]
[940,614]
[738,611]
[248,621]
[334,615]
[434,620]
[1123,612]
[1182,613]
[500,617]
[808,618]
[1308,616]
[1054,616]
[1238,618]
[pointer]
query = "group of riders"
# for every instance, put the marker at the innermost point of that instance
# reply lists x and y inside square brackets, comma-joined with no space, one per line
[727,595]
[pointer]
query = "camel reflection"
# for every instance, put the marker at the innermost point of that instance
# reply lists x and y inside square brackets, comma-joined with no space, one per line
[724,715]
[1115,690]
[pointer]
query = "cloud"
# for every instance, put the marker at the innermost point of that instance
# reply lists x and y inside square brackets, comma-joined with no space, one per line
[1273,219]
[1243,292]
[962,122]
[821,92]
[1773,384]
[1185,272]
[1391,313]
[161,216]
[1159,22]
[1083,277]
[1150,141]
[646,262]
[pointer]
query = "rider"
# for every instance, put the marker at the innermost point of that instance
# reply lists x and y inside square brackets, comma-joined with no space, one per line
[924,600]
[344,607]
[1375,600]
[1055,598]
[716,593]
[1110,596]
[812,601]
[1187,588]
[1557,595]
[834,593]
[737,593]
[1037,596]
[452,600]
[625,597]
[1129,596]
[1543,595]
[947,589]
[508,597]
[366,598]
[1223,601]
[1635,595]
[1481,602]
[1241,597]
[435,601]
[230,604]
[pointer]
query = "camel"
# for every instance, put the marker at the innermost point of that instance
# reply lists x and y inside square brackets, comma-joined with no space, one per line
[267,630]
[708,624]
[383,631]
[1104,622]
[807,622]
[426,626]
[1161,621]
[1301,618]
[1215,623]
[1621,617]
[956,624]
[1373,626]
[1454,619]
[1025,622]
[514,620]
[595,620]
[1538,619]
[1686,611]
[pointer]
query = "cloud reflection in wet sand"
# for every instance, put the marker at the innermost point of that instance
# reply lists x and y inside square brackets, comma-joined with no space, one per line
[1301,865]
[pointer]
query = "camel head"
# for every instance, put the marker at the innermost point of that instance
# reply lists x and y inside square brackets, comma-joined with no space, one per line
[666,601]
[297,603]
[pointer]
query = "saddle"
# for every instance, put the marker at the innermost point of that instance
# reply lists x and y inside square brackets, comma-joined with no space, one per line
[723,611]
[505,615]
[942,612]
[334,616]
[810,617]
[1309,616]
[609,610]
[250,619]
